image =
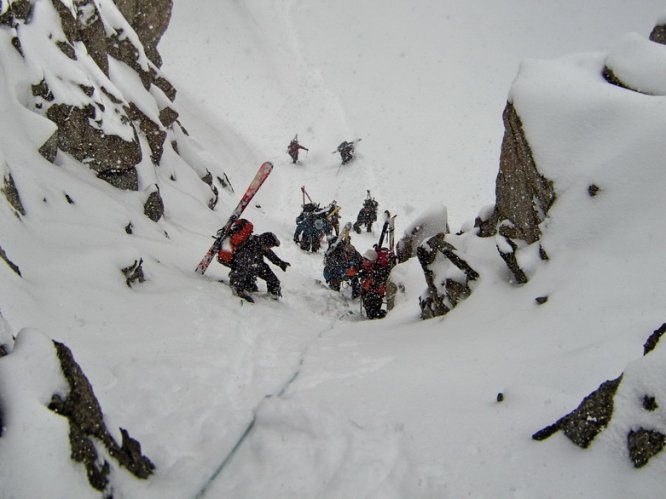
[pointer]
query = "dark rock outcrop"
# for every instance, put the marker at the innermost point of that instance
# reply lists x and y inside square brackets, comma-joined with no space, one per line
[595,412]
[134,273]
[427,225]
[12,194]
[113,158]
[149,18]
[81,122]
[86,425]
[442,294]
[523,196]
[18,10]
[154,206]
[610,76]
[511,261]
[100,115]
[644,444]
[11,264]
[625,68]
[153,132]
[654,338]
[658,34]
[208,179]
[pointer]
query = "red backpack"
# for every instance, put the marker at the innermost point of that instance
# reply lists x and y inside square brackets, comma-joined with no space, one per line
[383,257]
[240,231]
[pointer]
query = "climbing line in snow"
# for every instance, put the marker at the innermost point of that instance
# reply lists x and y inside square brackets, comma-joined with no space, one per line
[226,460]
[248,429]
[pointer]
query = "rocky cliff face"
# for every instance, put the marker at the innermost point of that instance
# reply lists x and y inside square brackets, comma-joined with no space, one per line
[107,99]
[84,75]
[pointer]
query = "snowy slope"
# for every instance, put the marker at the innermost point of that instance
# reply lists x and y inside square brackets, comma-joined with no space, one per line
[299,398]
[424,83]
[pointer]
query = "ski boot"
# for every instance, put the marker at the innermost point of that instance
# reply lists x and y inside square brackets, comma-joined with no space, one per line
[241,293]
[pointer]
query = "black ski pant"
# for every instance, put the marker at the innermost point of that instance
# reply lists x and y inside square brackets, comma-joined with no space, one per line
[244,279]
[372,302]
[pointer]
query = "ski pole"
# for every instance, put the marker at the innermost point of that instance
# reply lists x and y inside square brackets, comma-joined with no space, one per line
[305,194]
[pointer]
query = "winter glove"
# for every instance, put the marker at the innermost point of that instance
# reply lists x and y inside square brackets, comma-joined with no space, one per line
[284,266]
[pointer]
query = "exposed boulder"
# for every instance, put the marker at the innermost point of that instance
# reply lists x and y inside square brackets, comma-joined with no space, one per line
[168,116]
[154,207]
[523,196]
[658,34]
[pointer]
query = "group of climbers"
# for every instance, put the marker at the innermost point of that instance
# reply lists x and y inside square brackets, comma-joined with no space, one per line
[367,275]
[314,223]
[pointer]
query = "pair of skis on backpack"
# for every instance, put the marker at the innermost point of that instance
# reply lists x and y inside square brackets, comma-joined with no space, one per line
[223,234]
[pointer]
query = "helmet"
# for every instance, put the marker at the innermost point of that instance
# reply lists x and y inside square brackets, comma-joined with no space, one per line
[269,239]
[370,255]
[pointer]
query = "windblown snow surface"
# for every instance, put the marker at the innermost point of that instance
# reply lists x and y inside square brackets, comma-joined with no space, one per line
[303,397]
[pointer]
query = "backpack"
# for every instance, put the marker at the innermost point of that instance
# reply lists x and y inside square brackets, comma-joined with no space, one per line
[240,231]
[383,257]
